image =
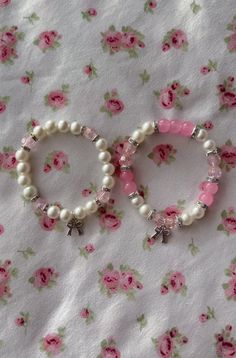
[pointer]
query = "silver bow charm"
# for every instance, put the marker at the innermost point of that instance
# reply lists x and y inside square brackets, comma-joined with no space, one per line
[75,224]
[161,232]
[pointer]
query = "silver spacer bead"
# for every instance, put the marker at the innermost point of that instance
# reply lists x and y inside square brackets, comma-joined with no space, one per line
[35,198]
[151,214]
[82,129]
[98,202]
[126,167]
[132,141]
[133,195]
[179,221]
[25,148]
[195,132]
[34,138]
[212,179]
[106,189]
[155,126]
[201,204]
[96,138]
[215,151]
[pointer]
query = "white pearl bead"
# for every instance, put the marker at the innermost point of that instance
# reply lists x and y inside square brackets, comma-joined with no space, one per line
[24,180]
[202,135]
[75,128]
[104,157]
[101,144]
[80,212]
[147,128]
[209,145]
[65,215]
[198,212]
[91,207]
[22,155]
[63,126]
[23,168]
[137,201]
[29,192]
[53,212]
[108,181]
[108,168]
[138,136]
[38,132]
[144,210]
[187,219]
[50,127]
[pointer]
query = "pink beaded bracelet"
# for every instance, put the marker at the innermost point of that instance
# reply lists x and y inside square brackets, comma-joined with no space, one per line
[164,226]
[74,219]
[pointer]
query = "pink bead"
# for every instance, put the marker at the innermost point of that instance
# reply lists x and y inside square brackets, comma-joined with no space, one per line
[129,149]
[171,223]
[127,175]
[130,187]
[159,220]
[164,125]
[215,172]
[187,129]
[40,204]
[175,126]
[103,196]
[213,160]
[28,142]
[210,187]
[89,133]
[206,198]
[127,161]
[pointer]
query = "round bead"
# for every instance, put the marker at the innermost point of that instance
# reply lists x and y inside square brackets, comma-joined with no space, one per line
[202,135]
[23,168]
[50,127]
[187,129]
[198,212]
[24,180]
[210,187]
[63,126]
[130,187]
[164,125]
[209,145]
[104,157]
[147,128]
[65,215]
[175,126]
[108,168]
[101,144]
[80,212]
[207,198]
[22,155]
[138,136]
[145,210]
[127,175]
[186,218]
[30,192]
[75,128]
[137,201]
[91,207]
[108,181]
[38,132]
[53,212]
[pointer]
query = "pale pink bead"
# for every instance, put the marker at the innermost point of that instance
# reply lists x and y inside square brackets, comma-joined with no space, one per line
[89,133]
[175,126]
[164,125]
[187,129]
[210,187]
[171,223]
[215,172]
[40,204]
[127,175]
[103,196]
[213,160]
[129,149]
[130,187]
[159,220]
[206,198]
[28,142]
[127,161]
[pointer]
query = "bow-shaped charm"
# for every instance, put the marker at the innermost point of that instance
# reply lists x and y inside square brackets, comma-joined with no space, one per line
[161,232]
[75,224]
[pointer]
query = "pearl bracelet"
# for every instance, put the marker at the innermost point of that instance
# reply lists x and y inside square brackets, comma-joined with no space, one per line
[164,226]
[74,219]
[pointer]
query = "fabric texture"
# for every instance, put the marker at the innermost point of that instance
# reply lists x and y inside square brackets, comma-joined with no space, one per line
[113,293]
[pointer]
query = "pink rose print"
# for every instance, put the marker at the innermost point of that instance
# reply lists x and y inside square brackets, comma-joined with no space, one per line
[109,349]
[1,229]
[210,67]
[109,217]
[57,160]
[31,124]
[231,39]
[91,71]
[208,125]
[172,211]
[57,99]
[149,6]
[116,151]
[174,281]
[228,156]
[6,274]
[163,153]
[227,94]
[113,105]
[86,250]
[230,286]
[53,343]
[3,103]
[89,14]
[23,320]
[228,223]
[127,40]
[48,40]
[125,281]
[87,314]
[44,277]
[9,36]
[204,317]
[169,97]
[47,223]
[4,3]
[175,38]
[28,78]
[225,344]
[8,161]
[167,345]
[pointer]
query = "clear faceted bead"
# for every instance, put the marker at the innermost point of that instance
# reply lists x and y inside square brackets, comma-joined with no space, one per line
[103,196]
[89,133]
[28,142]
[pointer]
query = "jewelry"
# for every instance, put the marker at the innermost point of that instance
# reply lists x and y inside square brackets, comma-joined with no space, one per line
[74,219]
[164,226]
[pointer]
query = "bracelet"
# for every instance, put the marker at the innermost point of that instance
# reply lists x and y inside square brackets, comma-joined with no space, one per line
[164,226]
[74,219]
